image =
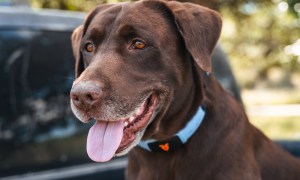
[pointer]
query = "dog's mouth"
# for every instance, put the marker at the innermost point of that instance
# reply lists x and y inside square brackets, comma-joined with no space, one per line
[109,138]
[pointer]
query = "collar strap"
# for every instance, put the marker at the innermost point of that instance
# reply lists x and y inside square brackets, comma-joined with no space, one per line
[178,139]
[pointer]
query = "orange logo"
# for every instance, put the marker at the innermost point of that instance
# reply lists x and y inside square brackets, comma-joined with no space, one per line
[164,147]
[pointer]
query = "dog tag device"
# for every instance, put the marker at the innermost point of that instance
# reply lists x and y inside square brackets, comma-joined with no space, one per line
[166,146]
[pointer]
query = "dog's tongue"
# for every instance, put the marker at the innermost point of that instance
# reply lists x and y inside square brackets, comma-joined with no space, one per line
[103,140]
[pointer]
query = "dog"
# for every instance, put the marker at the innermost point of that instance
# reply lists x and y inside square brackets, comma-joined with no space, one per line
[143,73]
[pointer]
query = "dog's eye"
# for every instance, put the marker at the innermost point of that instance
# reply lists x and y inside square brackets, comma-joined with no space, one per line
[138,44]
[89,47]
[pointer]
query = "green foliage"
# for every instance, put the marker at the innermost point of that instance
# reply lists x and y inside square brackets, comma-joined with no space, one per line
[256,35]
[278,128]
[73,5]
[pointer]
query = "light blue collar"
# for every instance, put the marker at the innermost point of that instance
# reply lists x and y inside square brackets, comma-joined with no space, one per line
[178,139]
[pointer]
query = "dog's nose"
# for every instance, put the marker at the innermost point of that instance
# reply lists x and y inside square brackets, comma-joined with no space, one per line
[85,94]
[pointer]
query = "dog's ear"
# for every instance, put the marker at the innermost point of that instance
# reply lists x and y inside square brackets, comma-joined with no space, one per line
[77,35]
[76,43]
[200,28]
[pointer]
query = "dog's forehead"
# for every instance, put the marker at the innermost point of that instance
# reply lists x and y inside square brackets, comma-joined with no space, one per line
[139,13]
[124,15]
[104,17]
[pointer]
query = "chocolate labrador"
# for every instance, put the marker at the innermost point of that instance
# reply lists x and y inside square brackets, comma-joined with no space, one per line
[143,73]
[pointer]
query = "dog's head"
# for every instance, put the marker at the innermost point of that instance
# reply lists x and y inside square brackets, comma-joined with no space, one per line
[136,67]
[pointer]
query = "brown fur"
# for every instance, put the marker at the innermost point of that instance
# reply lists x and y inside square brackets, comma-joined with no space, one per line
[182,38]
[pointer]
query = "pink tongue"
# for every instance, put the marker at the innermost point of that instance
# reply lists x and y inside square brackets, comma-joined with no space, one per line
[103,140]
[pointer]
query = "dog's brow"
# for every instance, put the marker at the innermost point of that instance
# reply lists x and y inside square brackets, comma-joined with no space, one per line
[97,33]
[126,30]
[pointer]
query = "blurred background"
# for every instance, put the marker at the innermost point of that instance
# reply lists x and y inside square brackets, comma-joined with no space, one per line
[257,60]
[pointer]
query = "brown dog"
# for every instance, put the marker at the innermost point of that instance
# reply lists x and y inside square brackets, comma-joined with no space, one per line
[142,73]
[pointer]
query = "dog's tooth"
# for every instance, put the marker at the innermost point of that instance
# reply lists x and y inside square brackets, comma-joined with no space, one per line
[126,123]
[131,118]
[140,111]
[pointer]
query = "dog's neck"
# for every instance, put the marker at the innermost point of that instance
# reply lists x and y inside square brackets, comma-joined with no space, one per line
[182,135]
[177,140]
